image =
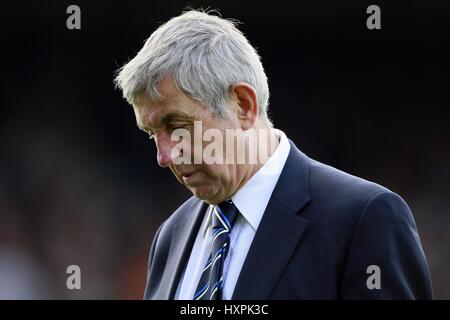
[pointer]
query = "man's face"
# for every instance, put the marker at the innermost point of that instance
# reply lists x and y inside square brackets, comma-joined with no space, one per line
[212,183]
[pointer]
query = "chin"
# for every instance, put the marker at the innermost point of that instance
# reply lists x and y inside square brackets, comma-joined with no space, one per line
[203,193]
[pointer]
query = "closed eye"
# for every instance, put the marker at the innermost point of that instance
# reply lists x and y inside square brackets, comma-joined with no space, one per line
[176,126]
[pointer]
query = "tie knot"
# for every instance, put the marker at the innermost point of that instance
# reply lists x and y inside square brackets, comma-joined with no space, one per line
[226,214]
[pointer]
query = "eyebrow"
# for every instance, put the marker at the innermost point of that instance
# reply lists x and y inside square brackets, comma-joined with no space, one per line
[166,118]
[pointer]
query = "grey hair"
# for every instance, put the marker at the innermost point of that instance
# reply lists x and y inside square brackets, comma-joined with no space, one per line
[204,54]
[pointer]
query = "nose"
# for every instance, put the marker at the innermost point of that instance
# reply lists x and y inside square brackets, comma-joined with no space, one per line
[164,149]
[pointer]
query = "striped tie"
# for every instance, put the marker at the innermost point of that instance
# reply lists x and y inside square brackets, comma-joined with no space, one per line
[211,281]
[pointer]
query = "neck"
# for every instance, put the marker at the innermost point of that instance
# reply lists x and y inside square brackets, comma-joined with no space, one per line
[271,141]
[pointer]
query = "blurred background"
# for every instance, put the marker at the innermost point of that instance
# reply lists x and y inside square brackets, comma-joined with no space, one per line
[79,183]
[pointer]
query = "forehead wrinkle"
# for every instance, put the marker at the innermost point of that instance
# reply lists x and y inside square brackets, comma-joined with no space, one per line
[144,112]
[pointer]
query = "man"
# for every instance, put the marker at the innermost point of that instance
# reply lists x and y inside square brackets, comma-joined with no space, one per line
[282,227]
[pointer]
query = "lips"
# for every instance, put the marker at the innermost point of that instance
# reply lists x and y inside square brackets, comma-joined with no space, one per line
[189,177]
[187,174]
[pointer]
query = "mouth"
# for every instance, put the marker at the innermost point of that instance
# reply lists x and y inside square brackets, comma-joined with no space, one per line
[189,176]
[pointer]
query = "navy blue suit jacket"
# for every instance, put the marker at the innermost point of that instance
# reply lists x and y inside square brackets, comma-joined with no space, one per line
[320,232]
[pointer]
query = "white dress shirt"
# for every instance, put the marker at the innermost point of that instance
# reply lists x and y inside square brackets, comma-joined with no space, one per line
[251,201]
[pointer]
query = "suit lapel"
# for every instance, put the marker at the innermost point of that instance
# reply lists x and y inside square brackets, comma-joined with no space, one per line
[183,237]
[279,232]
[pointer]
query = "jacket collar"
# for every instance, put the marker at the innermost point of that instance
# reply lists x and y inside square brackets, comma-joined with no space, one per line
[279,232]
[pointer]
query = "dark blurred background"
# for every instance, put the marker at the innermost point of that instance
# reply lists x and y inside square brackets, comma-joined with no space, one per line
[79,183]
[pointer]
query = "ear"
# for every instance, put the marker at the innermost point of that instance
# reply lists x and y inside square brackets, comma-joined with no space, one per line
[247,104]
